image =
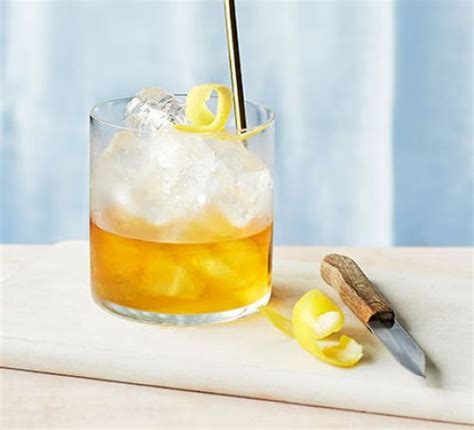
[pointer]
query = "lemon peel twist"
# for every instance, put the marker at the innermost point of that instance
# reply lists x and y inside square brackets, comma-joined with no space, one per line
[315,317]
[202,120]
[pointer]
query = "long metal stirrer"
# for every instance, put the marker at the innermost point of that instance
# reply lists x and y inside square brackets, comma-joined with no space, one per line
[234,64]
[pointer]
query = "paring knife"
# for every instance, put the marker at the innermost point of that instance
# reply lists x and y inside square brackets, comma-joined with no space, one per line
[359,294]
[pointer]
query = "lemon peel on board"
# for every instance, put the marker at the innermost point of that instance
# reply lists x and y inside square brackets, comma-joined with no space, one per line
[315,317]
[202,120]
[278,320]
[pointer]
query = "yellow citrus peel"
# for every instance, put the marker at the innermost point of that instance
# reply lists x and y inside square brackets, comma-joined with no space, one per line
[202,120]
[278,320]
[315,317]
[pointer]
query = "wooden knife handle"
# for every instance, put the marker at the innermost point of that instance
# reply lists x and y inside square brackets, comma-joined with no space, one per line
[358,293]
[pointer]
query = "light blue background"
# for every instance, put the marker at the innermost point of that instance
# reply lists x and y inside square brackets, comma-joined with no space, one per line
[374,104]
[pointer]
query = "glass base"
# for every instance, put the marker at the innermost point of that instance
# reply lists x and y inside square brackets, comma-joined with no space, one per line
[183,319]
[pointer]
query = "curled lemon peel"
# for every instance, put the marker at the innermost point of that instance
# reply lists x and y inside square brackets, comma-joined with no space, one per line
[245,135]
[278,320]
[315,317]
[319,313]
[202,120]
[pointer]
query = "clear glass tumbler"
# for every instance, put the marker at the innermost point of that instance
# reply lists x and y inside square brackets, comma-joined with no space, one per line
[180,223]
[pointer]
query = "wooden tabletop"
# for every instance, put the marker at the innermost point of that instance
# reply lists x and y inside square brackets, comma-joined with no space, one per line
[44,385]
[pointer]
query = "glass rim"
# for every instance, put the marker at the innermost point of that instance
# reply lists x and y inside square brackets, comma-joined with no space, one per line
[96,117]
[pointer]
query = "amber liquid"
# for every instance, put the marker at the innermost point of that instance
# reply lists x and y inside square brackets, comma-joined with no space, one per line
[180,278]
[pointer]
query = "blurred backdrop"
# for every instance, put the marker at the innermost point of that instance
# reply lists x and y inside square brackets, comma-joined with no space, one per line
[374,102]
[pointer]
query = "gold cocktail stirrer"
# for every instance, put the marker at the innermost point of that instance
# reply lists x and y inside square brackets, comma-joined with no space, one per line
[234,64]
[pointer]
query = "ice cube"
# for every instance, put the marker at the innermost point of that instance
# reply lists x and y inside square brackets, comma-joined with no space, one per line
[232,264]
[242,184]
[165,277]
[157,178]
[153,109]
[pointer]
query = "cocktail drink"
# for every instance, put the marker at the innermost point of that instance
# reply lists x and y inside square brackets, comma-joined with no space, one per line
[180,222]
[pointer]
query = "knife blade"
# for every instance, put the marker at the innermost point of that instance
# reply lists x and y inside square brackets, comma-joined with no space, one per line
[401,345]
[371,308]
